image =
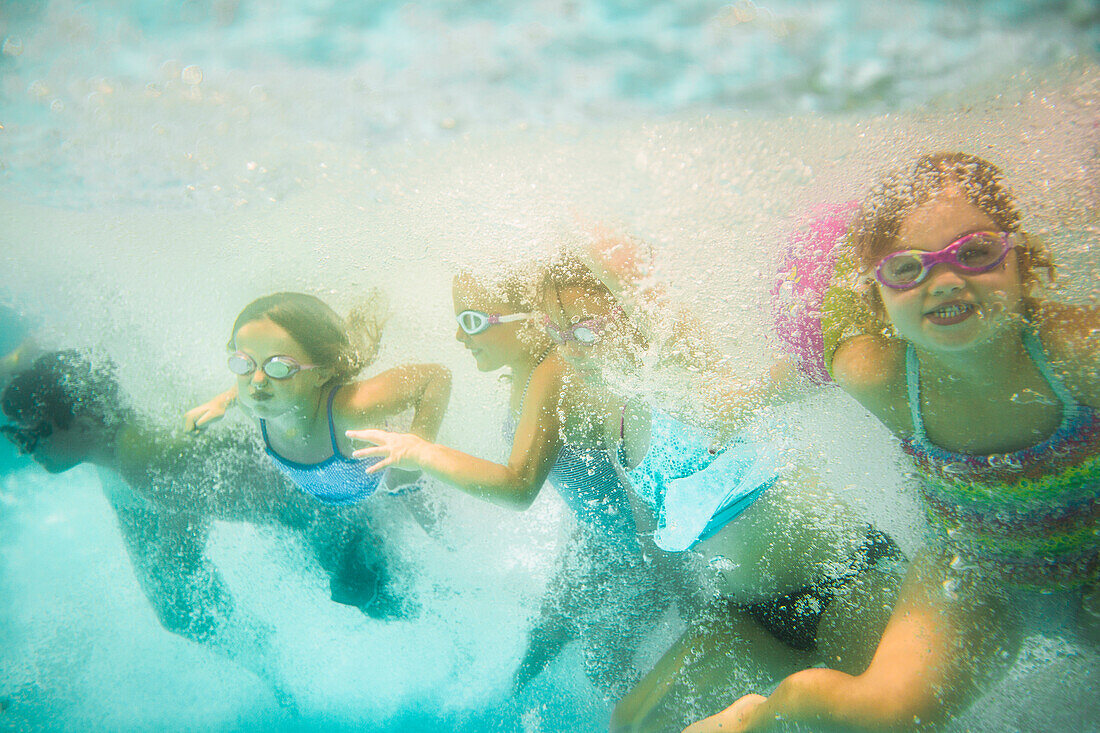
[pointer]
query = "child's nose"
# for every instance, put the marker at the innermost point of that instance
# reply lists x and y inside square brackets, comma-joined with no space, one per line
[944,279]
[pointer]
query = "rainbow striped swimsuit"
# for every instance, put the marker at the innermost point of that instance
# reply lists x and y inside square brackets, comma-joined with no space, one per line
[1029,519]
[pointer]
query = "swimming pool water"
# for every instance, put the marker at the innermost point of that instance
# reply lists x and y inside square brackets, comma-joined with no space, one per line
[162,164]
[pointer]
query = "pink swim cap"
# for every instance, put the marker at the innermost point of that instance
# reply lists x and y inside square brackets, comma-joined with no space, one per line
[805,270]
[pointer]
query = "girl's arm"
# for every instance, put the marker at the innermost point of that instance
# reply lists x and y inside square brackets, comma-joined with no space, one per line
[426,388]
[515,485]
[208,412]
[871,369]
[1071,336]
[929,664]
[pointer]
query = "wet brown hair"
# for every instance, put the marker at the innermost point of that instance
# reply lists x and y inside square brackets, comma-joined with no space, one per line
[567,272]
[344,346]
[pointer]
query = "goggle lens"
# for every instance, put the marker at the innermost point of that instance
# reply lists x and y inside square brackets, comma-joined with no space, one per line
[585,335]
[980,252]
[472,322]
[582,333]
[277,367]
[241,365]
[901,270]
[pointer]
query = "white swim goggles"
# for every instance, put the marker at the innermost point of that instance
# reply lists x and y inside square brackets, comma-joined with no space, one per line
[474,322]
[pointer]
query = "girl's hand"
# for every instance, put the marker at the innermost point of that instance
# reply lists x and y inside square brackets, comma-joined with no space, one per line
[399,450]
[731,720]
[199,417]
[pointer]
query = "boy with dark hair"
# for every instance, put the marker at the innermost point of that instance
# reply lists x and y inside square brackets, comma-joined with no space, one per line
[167,488]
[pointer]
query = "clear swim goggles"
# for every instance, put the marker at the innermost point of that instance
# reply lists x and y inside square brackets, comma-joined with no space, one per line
[972,254]
[585,333]
[474,322]
[276,367]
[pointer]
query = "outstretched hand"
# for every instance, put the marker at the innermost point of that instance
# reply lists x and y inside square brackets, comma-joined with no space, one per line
[733,719]
[397,450]
[199,417]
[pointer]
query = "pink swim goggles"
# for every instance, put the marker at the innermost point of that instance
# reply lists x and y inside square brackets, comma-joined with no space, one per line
[972,254]
[585,333]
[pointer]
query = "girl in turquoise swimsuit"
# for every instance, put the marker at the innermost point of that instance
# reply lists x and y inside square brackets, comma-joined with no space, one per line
[817,554]
[295,361]
[604,593]
[995,395]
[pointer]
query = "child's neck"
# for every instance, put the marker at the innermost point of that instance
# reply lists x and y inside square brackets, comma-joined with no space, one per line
[298,426]
[524,367]
[997,361]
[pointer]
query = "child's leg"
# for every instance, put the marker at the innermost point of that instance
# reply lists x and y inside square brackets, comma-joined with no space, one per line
[720,657]
[555,626]
[187,593]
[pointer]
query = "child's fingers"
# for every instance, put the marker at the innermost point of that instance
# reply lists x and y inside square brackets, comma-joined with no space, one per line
[381,465]
[206,418]
[371,452]
[367,435]
[190,419]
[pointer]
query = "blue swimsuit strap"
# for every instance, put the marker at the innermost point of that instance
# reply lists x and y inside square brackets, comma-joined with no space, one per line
[912,385]
[332,426]
[1035,350]
[331,430]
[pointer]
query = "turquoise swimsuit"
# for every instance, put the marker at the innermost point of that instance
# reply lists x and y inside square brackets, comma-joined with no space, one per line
[587,481]
[696,492]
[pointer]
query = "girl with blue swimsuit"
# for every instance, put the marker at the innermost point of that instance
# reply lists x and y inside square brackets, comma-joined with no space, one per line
[791,572]
[604,593]
[295,361]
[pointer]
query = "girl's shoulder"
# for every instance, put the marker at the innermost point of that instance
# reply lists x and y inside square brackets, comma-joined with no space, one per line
[869,363]
[547,380]
[372,396]
[1071,338]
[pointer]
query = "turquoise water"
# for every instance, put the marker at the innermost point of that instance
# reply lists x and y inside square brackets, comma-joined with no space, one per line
[161,165]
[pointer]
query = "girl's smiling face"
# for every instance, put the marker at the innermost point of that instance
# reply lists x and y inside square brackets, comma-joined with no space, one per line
[271,398]
[501,344]
[951,310]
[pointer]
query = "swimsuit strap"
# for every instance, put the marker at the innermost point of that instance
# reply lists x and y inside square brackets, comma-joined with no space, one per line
[527,385]
[263,432]
[622,436]
[331,426]
[1039,356]
[912,386]
[1035,350]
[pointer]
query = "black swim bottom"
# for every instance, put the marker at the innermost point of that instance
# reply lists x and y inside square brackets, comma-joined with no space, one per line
[793,617]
